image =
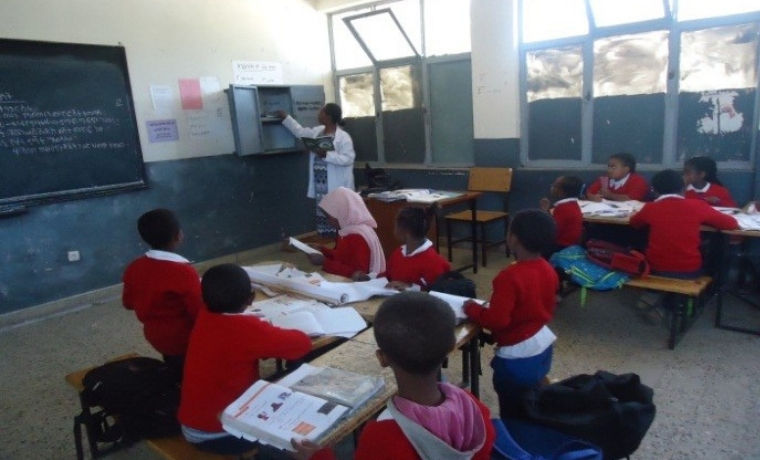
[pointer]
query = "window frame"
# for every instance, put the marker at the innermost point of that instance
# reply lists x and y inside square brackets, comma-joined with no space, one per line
[674,28]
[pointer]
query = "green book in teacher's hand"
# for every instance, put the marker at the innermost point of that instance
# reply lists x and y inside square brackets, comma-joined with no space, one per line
[317,143]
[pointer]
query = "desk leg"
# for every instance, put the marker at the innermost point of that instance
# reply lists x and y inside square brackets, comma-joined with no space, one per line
[474,233]
[725,260]
[475,366]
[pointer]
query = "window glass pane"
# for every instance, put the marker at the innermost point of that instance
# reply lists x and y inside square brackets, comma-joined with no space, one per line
[700,9]
[382,36]
[357,99]
[348,53]
[717,92]
[447,27]
[548,19]
[555,84]
[610,13]
[629,96]
[397,88]
[357,95]
[408,14]
[403,123]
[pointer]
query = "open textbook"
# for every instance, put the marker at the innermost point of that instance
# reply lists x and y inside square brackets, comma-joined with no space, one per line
[317,143]
[309,316]
[336,385]
[274,414]
[414,195]
[315,286]
[456,303]
[747,220]
[606,208]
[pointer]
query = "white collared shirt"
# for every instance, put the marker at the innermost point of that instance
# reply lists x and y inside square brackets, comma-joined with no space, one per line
[166,255]
[668,195]
[704,189]
[423,247]
[532,346]
[565,200]
[616,184]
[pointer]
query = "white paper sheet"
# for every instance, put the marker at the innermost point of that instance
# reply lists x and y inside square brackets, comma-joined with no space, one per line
[303,246]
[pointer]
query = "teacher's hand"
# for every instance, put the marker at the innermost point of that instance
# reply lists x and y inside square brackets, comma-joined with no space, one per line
[321,153]
[281,114]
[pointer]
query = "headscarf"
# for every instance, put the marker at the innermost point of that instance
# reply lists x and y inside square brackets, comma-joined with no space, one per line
[353,216]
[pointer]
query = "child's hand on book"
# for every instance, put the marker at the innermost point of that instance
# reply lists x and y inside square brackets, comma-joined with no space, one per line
[360,276]
[305,449]
[398,285]
[316,259]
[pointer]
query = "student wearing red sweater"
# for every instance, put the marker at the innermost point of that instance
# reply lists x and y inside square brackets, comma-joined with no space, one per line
[700,176]
[674,237]
[521,306]
[566,211]
[621,182]
[163,289]
[427,419]
[223,358]
[415,264]
[357,249]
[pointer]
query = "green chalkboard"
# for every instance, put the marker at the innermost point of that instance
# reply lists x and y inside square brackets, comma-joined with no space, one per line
[67,122]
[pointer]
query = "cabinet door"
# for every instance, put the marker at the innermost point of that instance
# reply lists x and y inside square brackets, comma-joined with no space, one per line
[307,102]
[246,124]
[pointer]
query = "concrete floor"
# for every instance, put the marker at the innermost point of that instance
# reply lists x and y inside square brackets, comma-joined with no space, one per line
[706,390]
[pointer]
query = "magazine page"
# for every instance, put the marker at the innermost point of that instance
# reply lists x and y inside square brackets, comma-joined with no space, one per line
[336,385]
[456,303]
[274,414]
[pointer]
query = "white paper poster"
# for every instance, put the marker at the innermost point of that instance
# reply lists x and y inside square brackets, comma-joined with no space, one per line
[163,98]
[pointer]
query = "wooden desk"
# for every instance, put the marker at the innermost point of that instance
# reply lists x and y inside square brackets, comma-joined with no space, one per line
[385,215]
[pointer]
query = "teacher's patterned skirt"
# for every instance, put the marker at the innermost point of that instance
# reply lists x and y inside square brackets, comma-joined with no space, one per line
[320,190]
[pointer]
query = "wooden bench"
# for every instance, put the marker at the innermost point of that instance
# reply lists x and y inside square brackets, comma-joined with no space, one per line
[690,290]
[171,448]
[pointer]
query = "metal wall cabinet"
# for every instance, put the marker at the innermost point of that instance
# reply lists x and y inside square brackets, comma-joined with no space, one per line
[255,127]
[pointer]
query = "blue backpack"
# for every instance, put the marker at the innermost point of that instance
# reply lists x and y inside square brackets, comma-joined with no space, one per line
[585,273]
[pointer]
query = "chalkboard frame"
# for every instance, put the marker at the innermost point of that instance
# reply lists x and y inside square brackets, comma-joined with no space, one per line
[130,154]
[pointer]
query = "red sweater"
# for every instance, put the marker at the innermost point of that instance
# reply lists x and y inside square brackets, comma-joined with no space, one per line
[569,220]
[351,254]
[421,269]
[522,302]
[674,231]
[635,187]
[720,196]
[384,440]
[166,297]
[223,361]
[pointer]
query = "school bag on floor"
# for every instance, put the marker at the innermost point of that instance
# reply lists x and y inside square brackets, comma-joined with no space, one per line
[617,258]
[611,411]
[520,440]
[139,397]
[582,271]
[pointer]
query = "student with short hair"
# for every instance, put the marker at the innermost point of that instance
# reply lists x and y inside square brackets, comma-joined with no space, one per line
[521,306]
[357,250]
[163,289]
[566,211]
[427,419]
[415,264]
[700,175]
[223,357]
[621,183]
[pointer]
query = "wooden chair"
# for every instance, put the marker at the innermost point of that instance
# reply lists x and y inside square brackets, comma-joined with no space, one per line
[483,180]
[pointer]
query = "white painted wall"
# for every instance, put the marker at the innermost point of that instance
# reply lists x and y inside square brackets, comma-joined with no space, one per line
[495,71]
[170,39]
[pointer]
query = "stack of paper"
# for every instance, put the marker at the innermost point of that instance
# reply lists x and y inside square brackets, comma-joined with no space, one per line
[606,208]
[456,303]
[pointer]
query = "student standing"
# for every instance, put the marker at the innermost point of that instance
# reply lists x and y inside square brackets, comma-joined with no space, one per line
[163,289]
[331,169]
[415,264]
[427,419]
[357,250]
[621,183]
[223,358]
[521,306]
[700,175]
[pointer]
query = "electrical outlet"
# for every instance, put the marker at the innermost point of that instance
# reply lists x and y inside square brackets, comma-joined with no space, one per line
[73,256]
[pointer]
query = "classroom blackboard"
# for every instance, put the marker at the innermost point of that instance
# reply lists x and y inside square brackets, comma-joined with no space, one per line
[67,122]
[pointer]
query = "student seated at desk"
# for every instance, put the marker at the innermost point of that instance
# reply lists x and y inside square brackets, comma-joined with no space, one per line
[566,211]
[415,264]
[357,250]
[621,183]
[674,235]
[163,288]
[223,357]
[521,306]
[427,419]
[700,175]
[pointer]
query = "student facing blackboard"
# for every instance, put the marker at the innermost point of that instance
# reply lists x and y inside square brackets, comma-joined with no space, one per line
[67,122]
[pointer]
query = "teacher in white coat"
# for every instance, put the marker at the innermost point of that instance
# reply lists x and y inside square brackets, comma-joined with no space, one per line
[328,169]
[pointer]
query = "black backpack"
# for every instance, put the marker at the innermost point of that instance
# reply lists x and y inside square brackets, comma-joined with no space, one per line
[139,397]
[612,411]
[454,283]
